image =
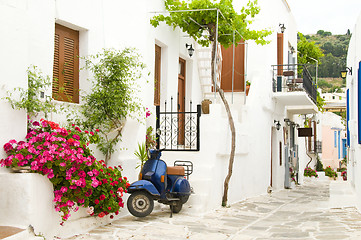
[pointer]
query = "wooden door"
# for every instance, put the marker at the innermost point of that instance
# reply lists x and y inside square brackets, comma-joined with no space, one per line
[181,100]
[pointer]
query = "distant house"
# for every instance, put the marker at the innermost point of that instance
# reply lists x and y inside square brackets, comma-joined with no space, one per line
[267,119]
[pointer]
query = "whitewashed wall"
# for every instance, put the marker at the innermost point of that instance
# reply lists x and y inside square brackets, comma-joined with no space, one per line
[354,152]
[118,24]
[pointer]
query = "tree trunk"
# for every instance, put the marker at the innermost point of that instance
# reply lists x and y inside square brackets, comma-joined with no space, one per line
[231,125]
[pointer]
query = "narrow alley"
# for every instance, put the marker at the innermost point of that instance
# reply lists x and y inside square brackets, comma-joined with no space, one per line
[318,209]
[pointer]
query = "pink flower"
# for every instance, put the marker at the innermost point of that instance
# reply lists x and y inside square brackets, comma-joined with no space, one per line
[96,201]
[102,197]
[70,203]
[62,164]
[76,137]
[95,183]
[97,130]
[63,189]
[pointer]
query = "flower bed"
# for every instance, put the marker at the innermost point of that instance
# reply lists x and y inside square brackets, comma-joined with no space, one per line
[77,177]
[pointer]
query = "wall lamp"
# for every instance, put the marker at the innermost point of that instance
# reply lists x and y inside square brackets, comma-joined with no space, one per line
[278,125]
[282,27]
[344,72]
[190,49]
[287,121]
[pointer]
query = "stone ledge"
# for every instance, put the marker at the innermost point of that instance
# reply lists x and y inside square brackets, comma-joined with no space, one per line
[7,231]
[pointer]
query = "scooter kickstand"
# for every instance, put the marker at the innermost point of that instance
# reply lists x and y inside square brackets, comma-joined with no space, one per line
[171,211]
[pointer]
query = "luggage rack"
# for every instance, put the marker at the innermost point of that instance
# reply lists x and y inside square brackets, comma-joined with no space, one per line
[188,167]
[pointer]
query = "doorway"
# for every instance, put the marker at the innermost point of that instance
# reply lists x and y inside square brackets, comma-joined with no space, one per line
[181,100]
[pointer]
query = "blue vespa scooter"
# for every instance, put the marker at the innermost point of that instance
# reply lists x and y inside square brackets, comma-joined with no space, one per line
[167,185]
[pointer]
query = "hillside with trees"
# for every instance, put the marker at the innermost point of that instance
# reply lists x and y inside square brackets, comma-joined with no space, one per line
[334,48]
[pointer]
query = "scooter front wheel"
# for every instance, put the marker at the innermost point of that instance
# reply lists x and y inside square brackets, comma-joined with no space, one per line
[140,204]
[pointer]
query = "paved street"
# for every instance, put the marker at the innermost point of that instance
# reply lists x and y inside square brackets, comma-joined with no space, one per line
[319,209]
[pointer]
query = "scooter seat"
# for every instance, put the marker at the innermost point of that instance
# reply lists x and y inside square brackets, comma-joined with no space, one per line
[176,170]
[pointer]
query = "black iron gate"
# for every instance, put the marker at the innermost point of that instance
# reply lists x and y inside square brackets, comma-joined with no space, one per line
[178,131]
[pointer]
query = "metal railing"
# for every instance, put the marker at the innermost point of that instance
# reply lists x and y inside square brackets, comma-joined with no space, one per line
[178,131]
[293,78]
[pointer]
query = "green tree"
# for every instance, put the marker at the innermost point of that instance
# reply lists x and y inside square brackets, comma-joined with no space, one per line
[196,23]
[307,51]
[113,95]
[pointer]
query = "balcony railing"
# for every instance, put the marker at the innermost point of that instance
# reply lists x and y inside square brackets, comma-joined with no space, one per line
[293,78]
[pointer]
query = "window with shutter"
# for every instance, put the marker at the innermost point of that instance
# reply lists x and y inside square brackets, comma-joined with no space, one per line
[157,73]
[66,65]
[227,68]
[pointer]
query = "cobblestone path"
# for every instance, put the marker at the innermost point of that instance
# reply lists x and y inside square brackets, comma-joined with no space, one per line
[307,212]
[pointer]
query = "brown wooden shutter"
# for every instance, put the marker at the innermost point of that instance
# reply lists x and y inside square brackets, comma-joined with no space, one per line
[157,73]
[227,62]
[279,53]
[66,65]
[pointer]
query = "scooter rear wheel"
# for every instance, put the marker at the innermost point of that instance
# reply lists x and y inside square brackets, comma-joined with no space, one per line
[140,204]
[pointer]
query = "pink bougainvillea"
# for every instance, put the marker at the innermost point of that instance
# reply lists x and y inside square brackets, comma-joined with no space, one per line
[78,178]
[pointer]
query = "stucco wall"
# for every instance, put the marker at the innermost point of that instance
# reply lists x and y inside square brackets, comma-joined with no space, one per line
[353,59]
[119,24]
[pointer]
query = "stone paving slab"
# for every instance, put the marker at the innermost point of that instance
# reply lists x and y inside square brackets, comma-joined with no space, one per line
[305,212]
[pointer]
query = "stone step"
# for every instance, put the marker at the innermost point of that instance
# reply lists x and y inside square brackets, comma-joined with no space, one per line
[14,233]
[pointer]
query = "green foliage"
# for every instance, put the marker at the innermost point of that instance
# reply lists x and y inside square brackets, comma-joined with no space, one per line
[324,33]
[150,139]
[141,154]
[335,51]
[113,95]
[30,99]
[307,50]
[229,20]
[329,172]
[319,165]
[324,84]
[320,102]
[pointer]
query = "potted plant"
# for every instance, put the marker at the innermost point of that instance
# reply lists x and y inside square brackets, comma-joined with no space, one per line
[248,85]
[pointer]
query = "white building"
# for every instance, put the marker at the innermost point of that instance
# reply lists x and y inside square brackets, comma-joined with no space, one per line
[264,151]
[353,109]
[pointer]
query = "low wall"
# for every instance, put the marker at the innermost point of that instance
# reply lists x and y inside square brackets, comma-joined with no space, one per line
[27,199]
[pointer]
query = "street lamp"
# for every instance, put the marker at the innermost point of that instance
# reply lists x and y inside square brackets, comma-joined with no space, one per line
[344,72]
[282,27]
[190,49]
[278,125]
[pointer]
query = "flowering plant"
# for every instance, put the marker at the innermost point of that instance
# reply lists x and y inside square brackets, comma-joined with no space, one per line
[329,172]
[344,175]
[309,172]
[292,175]
[64,157]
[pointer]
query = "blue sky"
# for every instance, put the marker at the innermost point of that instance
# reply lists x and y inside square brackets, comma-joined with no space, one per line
[335,16]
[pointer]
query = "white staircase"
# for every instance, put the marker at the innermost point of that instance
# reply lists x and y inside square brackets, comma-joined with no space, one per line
[204,56]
